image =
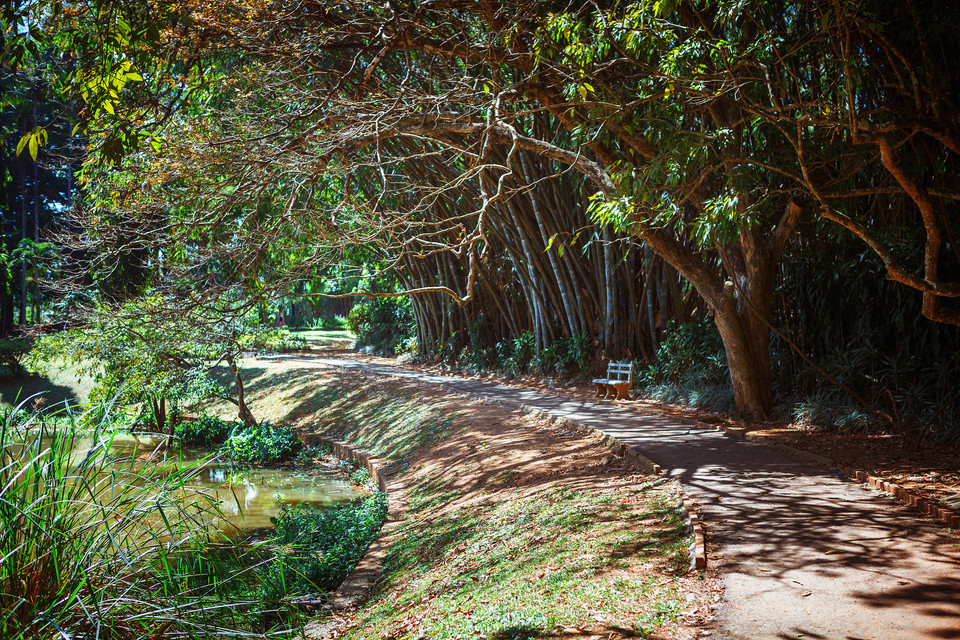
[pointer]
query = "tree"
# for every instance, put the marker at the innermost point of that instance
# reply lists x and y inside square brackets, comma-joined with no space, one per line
[31,257]
[899,110]
[704,129]
[491,66]
[147,353]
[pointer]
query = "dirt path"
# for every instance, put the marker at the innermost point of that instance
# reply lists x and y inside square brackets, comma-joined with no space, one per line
[803,554]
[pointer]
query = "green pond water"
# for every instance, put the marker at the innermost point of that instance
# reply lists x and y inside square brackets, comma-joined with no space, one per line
[248,498]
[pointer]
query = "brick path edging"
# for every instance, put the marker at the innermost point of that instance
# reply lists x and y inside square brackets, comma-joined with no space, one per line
[367,570]
[942,515]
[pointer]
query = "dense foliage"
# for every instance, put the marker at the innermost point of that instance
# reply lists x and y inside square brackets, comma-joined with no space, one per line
[205,431]
[85,537]
[382,324]
[314,550]
[261,443]
[554,186]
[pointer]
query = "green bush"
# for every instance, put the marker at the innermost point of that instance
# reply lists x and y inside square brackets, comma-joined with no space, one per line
[690,354]
[690,368]
[381,324]
[330,323]
[205,431]
[261,444]
[279,341]
[315,550]
[360,477]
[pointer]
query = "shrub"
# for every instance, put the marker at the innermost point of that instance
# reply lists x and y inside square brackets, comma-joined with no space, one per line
[330,323]
[360,477]
[261,444]
[205,431]
[690,354]
[279,341]
[381,324]
[309,455]
[690,368]
[315,550]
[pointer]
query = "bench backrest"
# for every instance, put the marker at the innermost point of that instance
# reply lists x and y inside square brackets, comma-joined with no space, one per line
[620,371]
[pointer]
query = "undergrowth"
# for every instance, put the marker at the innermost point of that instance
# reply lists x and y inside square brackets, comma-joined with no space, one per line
[85,536]
[690,368]
[314,550]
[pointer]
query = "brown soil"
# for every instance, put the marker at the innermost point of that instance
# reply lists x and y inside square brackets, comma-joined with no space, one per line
[932,471]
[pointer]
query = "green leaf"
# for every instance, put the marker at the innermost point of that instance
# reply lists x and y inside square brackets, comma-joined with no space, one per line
[108,105]
[23,143]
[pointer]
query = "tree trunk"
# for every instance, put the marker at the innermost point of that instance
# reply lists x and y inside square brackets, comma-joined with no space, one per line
[243,412]
[23,236]
[748,358]
[608,289]
[741,307]
[160,414]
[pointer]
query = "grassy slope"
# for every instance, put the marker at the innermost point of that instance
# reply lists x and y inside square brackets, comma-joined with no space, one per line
[55,386]
[498,543]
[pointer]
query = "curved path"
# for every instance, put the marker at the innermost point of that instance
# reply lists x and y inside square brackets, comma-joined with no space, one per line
[802,553]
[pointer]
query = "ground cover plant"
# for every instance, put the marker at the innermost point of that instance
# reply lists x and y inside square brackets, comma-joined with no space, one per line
[262,443]
[315,550]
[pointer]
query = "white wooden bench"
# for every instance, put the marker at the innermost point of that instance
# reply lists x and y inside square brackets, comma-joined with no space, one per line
[618,381]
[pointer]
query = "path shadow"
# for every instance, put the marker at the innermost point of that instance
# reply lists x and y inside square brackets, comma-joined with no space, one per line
[801,548]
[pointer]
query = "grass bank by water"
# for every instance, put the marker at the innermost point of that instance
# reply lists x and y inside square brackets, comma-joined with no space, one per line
[513,527]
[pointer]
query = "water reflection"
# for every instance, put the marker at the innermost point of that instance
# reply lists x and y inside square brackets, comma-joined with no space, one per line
[248,498]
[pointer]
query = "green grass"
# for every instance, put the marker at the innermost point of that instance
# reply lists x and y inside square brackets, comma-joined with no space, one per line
[85,539]
[528,565]
[326,338]
[476,558]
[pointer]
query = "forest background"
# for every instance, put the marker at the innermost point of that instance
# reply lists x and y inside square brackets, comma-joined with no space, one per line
[756,201]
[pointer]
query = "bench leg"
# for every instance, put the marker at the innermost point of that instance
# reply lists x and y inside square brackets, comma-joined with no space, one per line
[601,390]
[611,391]
[623,392]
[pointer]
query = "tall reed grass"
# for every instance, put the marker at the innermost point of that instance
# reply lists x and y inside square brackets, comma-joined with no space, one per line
[89,542]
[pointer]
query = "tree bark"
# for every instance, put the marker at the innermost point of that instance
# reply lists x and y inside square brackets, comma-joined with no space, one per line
[741,306]
[243,412]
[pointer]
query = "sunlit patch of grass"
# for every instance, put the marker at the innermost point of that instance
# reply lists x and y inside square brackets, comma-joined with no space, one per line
[327,337]
[527,564]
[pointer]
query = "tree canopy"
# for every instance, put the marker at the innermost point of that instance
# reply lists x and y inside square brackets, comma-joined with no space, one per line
[580,169]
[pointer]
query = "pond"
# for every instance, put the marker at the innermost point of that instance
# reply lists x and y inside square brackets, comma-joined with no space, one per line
[248,497]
